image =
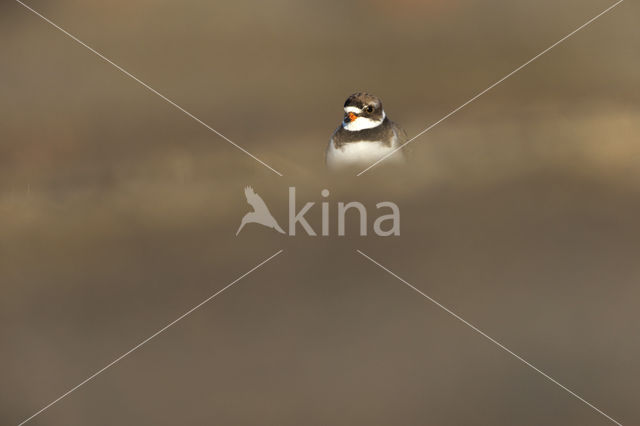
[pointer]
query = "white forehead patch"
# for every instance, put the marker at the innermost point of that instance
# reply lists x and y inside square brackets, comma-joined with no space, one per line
[352,109]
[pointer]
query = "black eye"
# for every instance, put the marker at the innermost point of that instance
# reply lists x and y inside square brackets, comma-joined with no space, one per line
[369,108]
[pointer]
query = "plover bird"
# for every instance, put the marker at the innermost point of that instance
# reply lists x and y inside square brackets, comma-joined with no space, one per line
[365,135]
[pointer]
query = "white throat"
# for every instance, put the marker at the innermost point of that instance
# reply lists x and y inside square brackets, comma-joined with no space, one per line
[361,123]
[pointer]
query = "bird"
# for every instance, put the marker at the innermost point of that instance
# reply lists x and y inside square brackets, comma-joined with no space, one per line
[365,135]
[260,213]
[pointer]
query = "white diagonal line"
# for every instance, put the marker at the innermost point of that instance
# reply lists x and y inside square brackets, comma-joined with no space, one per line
[163,329]
[491,339]
[492,86]
[151,89]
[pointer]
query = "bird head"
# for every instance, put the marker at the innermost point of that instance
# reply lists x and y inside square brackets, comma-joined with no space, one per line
[362,111]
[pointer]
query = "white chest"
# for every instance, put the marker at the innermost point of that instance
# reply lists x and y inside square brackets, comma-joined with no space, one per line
[360,154]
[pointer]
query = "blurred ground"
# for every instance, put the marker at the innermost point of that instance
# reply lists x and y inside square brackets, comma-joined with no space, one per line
[118,213]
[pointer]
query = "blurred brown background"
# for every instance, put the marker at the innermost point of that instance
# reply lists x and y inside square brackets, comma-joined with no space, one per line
[118,213]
